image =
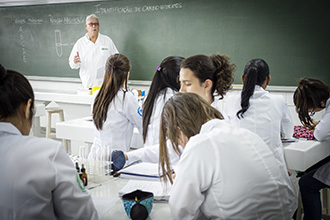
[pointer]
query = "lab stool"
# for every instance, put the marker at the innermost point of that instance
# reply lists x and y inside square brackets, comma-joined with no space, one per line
[49,113]
[325,205]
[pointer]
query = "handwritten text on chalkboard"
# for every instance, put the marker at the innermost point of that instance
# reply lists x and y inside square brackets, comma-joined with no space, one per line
[127,9]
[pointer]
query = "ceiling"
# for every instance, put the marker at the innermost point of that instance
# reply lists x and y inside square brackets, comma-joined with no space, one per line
[8,3]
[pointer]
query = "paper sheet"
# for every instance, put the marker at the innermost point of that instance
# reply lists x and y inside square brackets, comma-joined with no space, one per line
[143,169]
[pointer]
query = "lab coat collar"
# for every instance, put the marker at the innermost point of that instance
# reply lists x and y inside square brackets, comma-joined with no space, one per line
[211,124]
[87,39]
[259,91]
[214,104]
[328,103]
[9,128]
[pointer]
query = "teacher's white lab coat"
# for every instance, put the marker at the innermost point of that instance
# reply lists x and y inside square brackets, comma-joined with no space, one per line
[39,180]
[150,153]
[227,172]
[124,113]
[268,116]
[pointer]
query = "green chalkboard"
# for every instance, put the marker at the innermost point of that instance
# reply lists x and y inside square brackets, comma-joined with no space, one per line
[292,36]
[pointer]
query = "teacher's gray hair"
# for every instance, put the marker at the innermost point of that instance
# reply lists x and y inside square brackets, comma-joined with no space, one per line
[91,16]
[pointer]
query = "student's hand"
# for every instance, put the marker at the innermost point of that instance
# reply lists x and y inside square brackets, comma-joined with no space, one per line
[76,58]
[118,161]
[313,125]
[173,176]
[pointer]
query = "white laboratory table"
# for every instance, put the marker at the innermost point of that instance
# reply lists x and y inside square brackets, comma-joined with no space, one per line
[73,105]
[110,189]
[303,154]
[82,129]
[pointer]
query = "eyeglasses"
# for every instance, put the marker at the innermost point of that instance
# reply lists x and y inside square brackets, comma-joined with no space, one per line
[93,24]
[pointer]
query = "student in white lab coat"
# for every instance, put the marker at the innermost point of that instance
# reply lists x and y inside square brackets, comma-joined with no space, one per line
[203,75]
[115,111]
[224,172]
[259,111]
[312,96]
[164,85]
[206,75]
[38,180]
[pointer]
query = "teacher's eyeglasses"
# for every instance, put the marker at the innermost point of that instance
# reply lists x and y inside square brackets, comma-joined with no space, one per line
[93,24]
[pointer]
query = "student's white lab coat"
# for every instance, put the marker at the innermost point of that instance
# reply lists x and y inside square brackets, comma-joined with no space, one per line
[153,127]
[268,116]
[322,133]
[38,180]
[93,57]
[151,153]
[227,172]
[124,113]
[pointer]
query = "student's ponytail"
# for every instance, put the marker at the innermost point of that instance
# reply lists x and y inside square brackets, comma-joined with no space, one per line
[224,74]
[255,73]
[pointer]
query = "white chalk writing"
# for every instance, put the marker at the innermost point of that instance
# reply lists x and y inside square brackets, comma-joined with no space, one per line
[35,20]
[65,20]
[22,43]
[145,8]
[58,43]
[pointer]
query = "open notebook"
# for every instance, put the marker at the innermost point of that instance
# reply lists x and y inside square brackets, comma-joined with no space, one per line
[141,171]
[161,193]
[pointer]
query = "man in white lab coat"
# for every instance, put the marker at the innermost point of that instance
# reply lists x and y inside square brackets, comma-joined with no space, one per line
[90,53]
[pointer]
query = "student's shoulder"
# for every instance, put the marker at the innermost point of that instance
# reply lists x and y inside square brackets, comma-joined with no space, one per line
[40,144]
[277,99]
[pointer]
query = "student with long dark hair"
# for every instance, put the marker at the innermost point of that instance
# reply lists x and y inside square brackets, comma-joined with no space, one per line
[259,111]
[312,96]
[164,85]
[39,180]
[224,172]
[115,111]
[200,74]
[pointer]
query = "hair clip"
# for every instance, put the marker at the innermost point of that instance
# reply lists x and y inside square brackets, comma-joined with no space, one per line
[113,67]
[159,68]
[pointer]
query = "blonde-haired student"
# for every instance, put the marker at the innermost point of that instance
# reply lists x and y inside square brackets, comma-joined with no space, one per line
[115,111]
[224,172]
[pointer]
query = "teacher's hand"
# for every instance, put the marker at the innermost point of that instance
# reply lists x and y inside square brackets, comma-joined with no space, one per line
[76,58]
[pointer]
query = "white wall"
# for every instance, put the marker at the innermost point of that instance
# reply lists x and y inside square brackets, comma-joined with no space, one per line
[68,87]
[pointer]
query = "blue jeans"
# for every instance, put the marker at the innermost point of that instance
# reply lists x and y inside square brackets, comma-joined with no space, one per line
[310,195]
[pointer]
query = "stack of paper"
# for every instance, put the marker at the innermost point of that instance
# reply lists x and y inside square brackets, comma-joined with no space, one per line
[160,191]
[144,170]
